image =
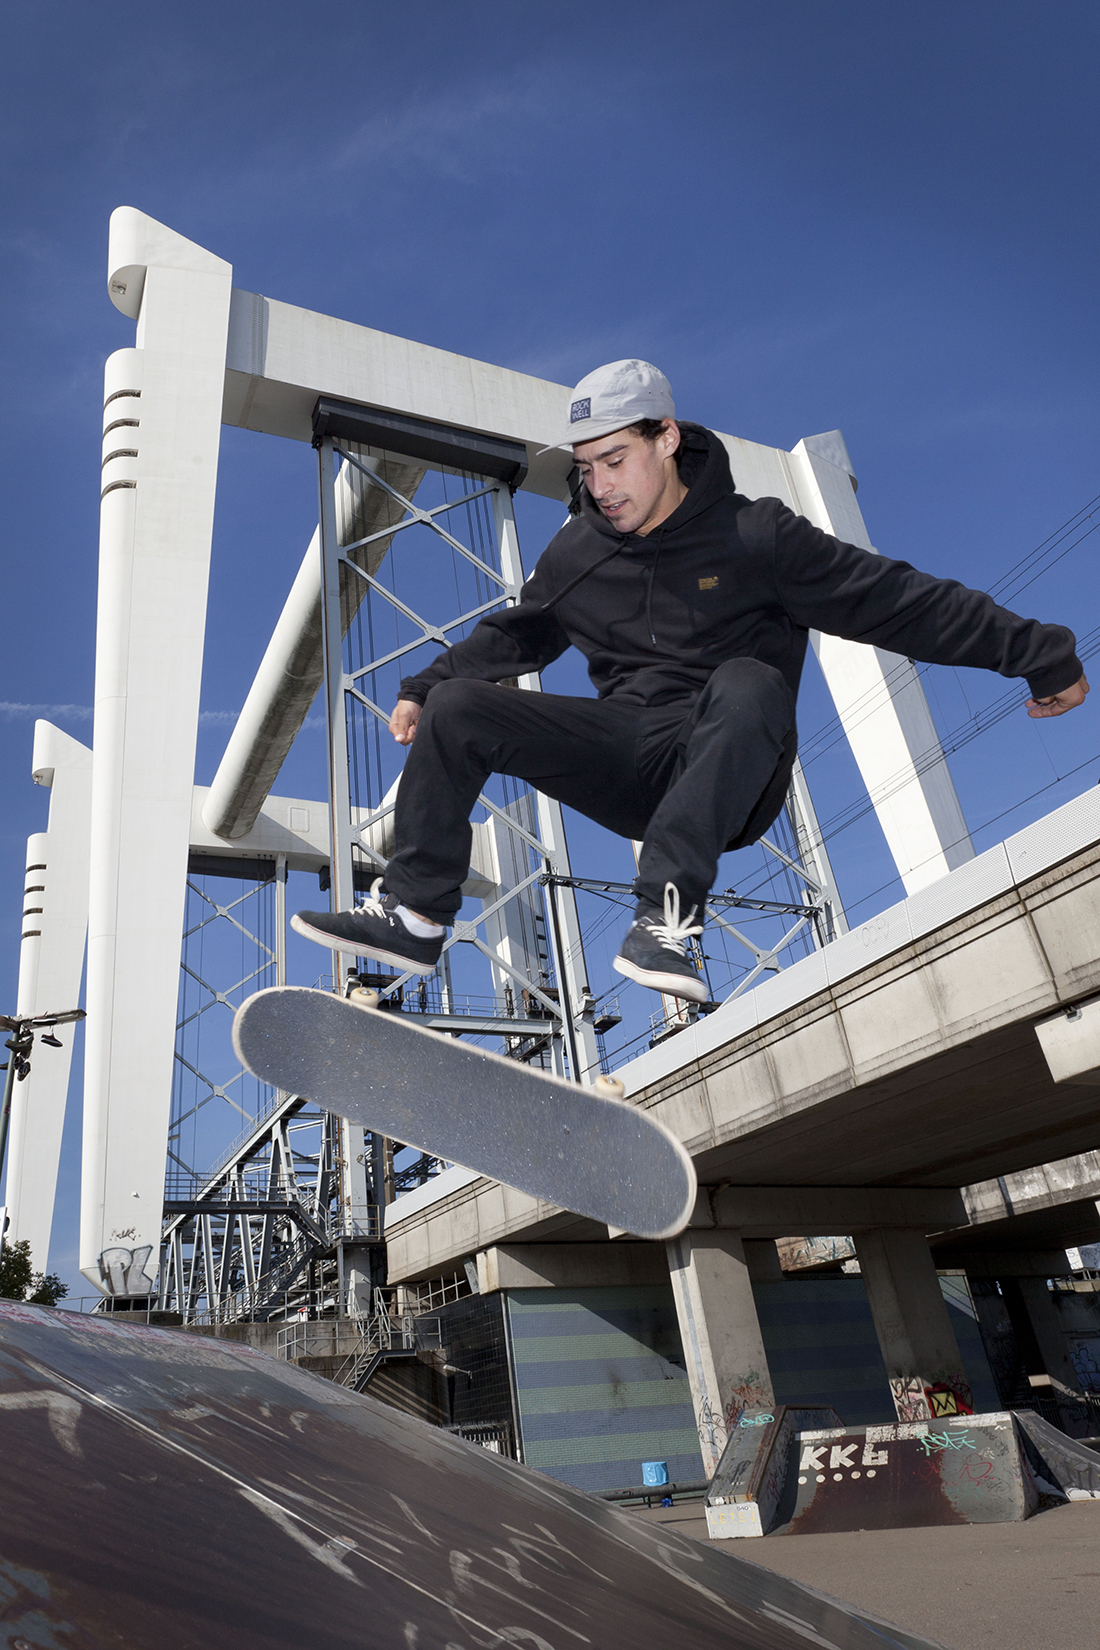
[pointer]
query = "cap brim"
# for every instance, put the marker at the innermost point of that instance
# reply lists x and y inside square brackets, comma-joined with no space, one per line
[593,430]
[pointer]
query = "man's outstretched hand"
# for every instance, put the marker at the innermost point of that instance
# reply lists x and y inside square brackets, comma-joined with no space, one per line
[1057,704]
[406,715]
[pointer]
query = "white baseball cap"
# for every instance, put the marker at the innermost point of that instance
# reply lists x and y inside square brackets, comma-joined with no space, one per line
[613,397]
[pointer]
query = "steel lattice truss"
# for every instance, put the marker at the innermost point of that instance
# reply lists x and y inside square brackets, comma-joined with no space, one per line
[242,1238]
[363,803]
[260,1234]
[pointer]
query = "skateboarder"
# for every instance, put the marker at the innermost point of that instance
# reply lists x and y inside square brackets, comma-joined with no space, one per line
[692,605]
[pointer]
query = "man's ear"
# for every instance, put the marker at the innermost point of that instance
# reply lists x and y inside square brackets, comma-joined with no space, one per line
[670,437]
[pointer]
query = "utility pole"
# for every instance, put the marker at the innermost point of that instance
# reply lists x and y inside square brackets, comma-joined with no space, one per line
[18,1067]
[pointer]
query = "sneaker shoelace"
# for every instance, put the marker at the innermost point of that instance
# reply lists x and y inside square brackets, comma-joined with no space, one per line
[372,906]
[672,934]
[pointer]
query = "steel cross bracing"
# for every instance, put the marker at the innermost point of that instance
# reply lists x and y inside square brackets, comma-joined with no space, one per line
[264,960]
[264,1233]
[532,824]
[270,1221]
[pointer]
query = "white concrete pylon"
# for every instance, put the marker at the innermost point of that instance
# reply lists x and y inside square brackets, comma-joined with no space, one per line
[879,698]
[162,422]
[51,960]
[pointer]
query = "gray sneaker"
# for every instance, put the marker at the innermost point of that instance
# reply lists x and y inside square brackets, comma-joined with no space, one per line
[373,929]
[655,951]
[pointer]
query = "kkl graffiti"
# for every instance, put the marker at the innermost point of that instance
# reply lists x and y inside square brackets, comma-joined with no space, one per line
[840,1456]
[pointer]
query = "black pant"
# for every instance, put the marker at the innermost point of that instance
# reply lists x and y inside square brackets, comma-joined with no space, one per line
[689,779]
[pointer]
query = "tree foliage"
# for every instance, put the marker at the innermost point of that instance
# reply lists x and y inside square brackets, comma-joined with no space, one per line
[20,1282]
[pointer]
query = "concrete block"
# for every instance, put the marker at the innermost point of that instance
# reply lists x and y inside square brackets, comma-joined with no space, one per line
[1070,1041]
[571,1265]
[741,1094]
[1005,1263]
[1067,921]
[433,1191]
[812,1060]
[896,1016]
[989,975]
[736,1519]
[807,1210]
[686,1111]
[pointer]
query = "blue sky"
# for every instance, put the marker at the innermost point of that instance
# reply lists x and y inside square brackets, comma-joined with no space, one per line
[877,218]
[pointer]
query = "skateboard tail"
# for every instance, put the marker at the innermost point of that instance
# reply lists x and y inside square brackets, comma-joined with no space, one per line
[558,1141]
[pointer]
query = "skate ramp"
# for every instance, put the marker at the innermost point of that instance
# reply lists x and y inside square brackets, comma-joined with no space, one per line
[1060,1464]
[801,1475]
[749,1481]
[160,1491]
[965,1470]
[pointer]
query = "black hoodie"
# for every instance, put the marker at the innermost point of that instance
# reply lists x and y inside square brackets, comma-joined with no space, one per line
[726,577]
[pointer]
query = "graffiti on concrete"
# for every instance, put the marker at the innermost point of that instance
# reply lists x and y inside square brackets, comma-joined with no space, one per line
[1085,1353]
[978,1470]
[910,1402]
[933,1397]
[949,1394]
[930,1442]
[751,1391]
[123,1271]
[712,1433]
[842,1459]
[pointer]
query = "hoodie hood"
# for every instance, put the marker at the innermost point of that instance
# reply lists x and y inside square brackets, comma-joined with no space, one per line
[704,470]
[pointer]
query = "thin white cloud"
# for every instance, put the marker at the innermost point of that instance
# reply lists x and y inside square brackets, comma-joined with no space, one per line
[12,710]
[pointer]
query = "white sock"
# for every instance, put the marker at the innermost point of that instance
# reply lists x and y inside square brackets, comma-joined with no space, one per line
[416,925]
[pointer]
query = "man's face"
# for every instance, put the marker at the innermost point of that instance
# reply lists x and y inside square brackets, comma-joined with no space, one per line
[634,482]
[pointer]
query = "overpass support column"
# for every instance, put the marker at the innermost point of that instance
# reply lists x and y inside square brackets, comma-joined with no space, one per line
[1046,1326]
[723,1347]
[922,1358]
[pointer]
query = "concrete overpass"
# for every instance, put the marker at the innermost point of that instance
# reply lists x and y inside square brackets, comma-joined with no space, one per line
[859,1091]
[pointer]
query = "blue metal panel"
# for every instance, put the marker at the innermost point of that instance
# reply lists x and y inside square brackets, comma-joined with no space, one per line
[601,1385]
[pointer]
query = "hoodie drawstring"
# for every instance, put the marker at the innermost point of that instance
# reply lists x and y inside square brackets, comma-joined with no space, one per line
[649,591]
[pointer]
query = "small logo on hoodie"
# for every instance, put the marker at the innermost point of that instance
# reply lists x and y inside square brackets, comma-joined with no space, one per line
[580,409]
[709,584]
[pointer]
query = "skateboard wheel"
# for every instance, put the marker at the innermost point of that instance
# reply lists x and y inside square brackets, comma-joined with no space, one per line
[363,998]
[609,1088]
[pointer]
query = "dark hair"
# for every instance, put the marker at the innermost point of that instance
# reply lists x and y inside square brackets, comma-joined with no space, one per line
[649,428]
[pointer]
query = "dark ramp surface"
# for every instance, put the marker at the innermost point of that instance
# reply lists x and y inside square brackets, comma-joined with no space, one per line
[161,1491]
[960,1470]
[1061,1463]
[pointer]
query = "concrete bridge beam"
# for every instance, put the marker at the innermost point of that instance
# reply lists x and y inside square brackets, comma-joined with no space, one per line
[1047,1328]
[923,1363]
[760,1212]
[723,1345]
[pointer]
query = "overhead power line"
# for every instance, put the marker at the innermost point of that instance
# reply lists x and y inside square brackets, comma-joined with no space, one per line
[1018,577]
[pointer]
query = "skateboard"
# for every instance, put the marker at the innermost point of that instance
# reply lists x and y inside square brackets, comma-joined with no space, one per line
[573,1146]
